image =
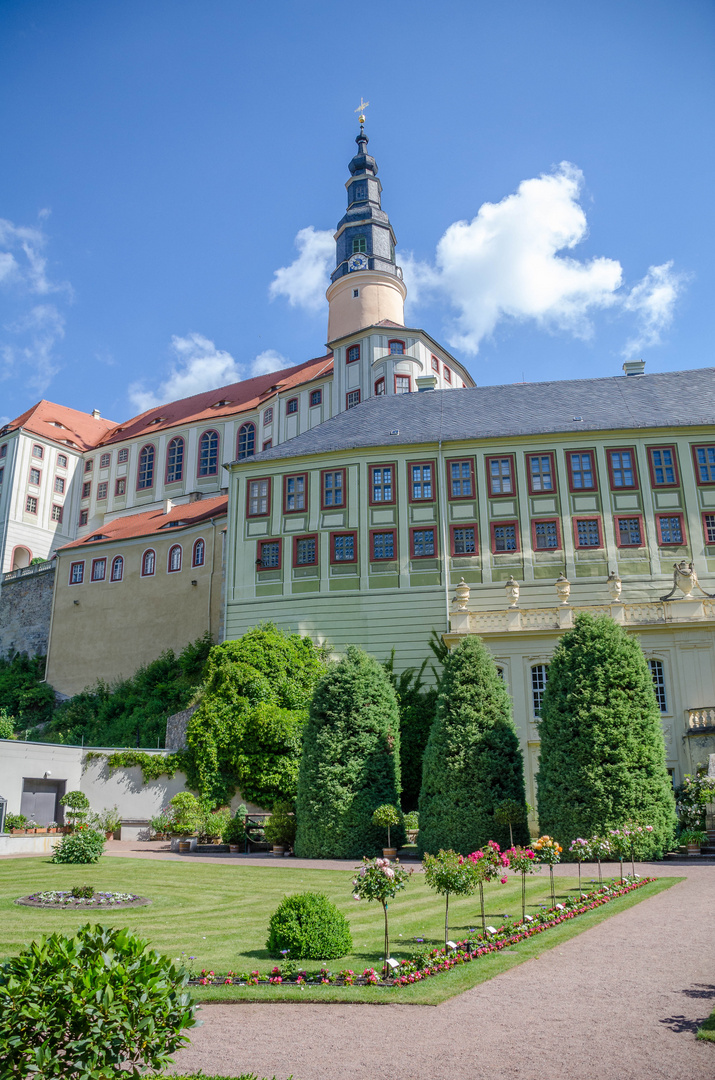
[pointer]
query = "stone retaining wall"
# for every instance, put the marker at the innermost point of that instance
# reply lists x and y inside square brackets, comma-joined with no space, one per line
[25,610]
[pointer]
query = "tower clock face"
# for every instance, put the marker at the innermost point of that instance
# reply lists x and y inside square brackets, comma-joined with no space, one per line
[357,262]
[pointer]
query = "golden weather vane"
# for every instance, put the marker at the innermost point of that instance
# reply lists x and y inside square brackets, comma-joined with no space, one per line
[361,109]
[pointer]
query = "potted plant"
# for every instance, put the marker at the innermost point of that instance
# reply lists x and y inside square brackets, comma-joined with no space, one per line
[52,826]
[31,826]
[384,817]
[160,826]
[76,806]
[412,826]
[234,831]
[187,818]
[280,827]
[214,823]
[15,824]
[693,839]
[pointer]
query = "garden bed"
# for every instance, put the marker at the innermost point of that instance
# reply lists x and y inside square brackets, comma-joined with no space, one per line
[63,900]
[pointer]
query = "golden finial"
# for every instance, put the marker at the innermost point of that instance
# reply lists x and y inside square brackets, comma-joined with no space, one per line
[361,109]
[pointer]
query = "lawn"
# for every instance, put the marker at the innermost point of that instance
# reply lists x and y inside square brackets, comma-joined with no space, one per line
[219,915]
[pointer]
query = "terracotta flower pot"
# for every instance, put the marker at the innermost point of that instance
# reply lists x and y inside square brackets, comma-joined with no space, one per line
[233,848]
[693,849]
[184,847]
[389,853]
[278,849]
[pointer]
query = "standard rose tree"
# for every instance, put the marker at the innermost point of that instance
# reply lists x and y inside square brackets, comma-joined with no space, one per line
[379,879]
[447,872]
[489,863]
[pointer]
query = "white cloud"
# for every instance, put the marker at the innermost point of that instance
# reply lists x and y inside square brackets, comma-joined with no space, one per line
[304,282]
[22,262]
[653,300]
[267,361]
[32,356]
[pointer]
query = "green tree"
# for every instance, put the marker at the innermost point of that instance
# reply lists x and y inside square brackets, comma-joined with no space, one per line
[350,763]
[22,691]
[417,703]
[247,731]
[602,758]
[473,760]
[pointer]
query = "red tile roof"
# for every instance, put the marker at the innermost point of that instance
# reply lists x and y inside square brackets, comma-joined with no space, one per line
[152,521]
[79,429]
[240,397]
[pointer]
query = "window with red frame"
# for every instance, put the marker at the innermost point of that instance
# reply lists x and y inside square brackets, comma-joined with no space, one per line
[422,543]
[86,489]
[582,471]
[148,562]
[269,555]
[199,552]
[174,561]
[402,384]
[629,531]
[102,490]
[294,493]
[546,534]
[332,488]
[709,528]
[422,482]
[501,475]
[587,533]
[120,486]
[57,514]
[105,461]
[704,464]
[622,469]
[464,540]
[305,550]
[343,547]
[145,475]
[397,348]
[380,388]
[246,445]
[35,476]
[352,398]
[175,461]
[208,454]
[268,416]
[540,469]
[435,364]
[382,484]
[352,354]
[38,451]
[663,466]
[382,545]
[259,495]
[461,479]
[88,465]
[267,444]
[670,530]
[83,517]
[61,461]
[99,570]
[447,374]
[76,573]
[504,537]
[117,568]
[292,406]
[31,504]
[316,397]
[123,455]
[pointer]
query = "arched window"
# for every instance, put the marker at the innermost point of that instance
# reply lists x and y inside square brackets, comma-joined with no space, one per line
[145,475]
[148,562]
[174,564]
[175,461]
[199,553]
[208,454]
[246,441]
[117,568]
[397,348]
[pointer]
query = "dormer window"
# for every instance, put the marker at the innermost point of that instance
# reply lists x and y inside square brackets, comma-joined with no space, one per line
[158,420]
[359,244]
[220,404]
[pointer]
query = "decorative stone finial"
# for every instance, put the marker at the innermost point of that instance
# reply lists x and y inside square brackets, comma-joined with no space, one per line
[461,595]
[614,586]
[563,588]
[512,591]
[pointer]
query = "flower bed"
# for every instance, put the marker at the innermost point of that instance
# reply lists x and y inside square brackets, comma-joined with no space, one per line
[429,962]
[63,898]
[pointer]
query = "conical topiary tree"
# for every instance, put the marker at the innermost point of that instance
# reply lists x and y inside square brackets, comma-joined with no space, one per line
[473,760]
[602,758]
[350,763]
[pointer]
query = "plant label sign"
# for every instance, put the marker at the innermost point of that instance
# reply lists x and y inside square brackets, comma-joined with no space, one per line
[560,907]
[393,963]
[491,930]
[451,944]
[529,918]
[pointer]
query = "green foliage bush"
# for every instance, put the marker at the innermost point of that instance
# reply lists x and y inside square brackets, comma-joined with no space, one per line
[602,758]
[82,1007]
[350,763]
[248,728]
[15,821]
[281,825]
[76,804]
[7,724]
[82,892]
[83,846]
[310,927]
[417,703]
[473,759]
[22,692]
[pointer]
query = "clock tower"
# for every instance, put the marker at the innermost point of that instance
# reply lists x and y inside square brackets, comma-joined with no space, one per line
[366,285]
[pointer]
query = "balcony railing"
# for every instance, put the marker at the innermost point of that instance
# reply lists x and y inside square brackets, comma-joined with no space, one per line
[28,571]
[702,719]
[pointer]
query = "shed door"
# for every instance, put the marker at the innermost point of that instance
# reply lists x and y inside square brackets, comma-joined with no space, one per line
[40,800]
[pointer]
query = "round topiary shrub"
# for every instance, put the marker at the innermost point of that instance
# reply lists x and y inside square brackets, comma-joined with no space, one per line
[83,846]
[308,927]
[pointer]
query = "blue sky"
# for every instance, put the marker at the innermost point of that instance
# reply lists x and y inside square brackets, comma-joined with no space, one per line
[161,160]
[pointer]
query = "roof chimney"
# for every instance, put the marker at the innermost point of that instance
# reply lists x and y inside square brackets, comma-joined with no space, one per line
[96,414]
[634,367]
[168,506]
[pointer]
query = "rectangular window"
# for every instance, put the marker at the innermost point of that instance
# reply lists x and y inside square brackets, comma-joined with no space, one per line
[539,675]
[294,492]
[670,529]
[435,364]
[505,536]
[123,455]
[268,416]
[582,472]
[86,489]
[352,354]
[380,387]
[382,484]
[269,555]
[83,517]
[402,384]
[292,406]
[76,573]
[38,451]
[31,504]
[464,540]
[104,461]
[422,482]
[99,570]
[587,532]
[59,485]
[3,450]
[396,348]
[383,544]
[57,514]
[2,474]
[102,490]
[258,498]
[359,245]
[704,464]
[622,469]
[332,486]
[629,531]
[120,487]
[461,479]
[447,374]
[422,543]
[656,670]
[501,475]
[352,398]
[305,550]
[316,397]
[61,461]
[35,476]
[268,443]
[663,466]
[541,473]
[343,547]
[709,528]
[88,465]
[546,534]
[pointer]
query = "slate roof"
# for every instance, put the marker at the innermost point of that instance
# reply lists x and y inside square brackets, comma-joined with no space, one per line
[150,522]
[624,402]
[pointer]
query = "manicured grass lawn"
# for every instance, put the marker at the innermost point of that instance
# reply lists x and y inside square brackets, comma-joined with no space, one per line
[707,1031]
[219,915]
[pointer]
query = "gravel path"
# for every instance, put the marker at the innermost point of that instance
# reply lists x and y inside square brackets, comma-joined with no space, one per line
[621,1001]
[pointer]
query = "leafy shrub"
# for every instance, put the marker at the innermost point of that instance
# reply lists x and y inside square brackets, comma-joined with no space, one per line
[22,692]
[76,804]
[82,892]
[213,823]
[350,763]
[79,1008]
[473,759]
[235,830]
[310,927]
[385,817]
[281,825]
[7,724]
[186,813]
[83,846]
[15,821]
[417,703]
[412,820]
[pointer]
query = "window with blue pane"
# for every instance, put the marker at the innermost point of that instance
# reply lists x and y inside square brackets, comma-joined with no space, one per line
[422,542]
[382,485]
[383,545]
[540,472]
[464,541]
[662,462]
[460,480]
[582,472]
[705,459]
[629,532]
[421,481]
[344,547]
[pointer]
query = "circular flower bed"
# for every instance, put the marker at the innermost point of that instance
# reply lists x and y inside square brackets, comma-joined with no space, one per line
[63,898]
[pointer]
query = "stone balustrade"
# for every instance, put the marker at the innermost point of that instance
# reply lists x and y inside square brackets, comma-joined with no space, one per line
[702,719]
